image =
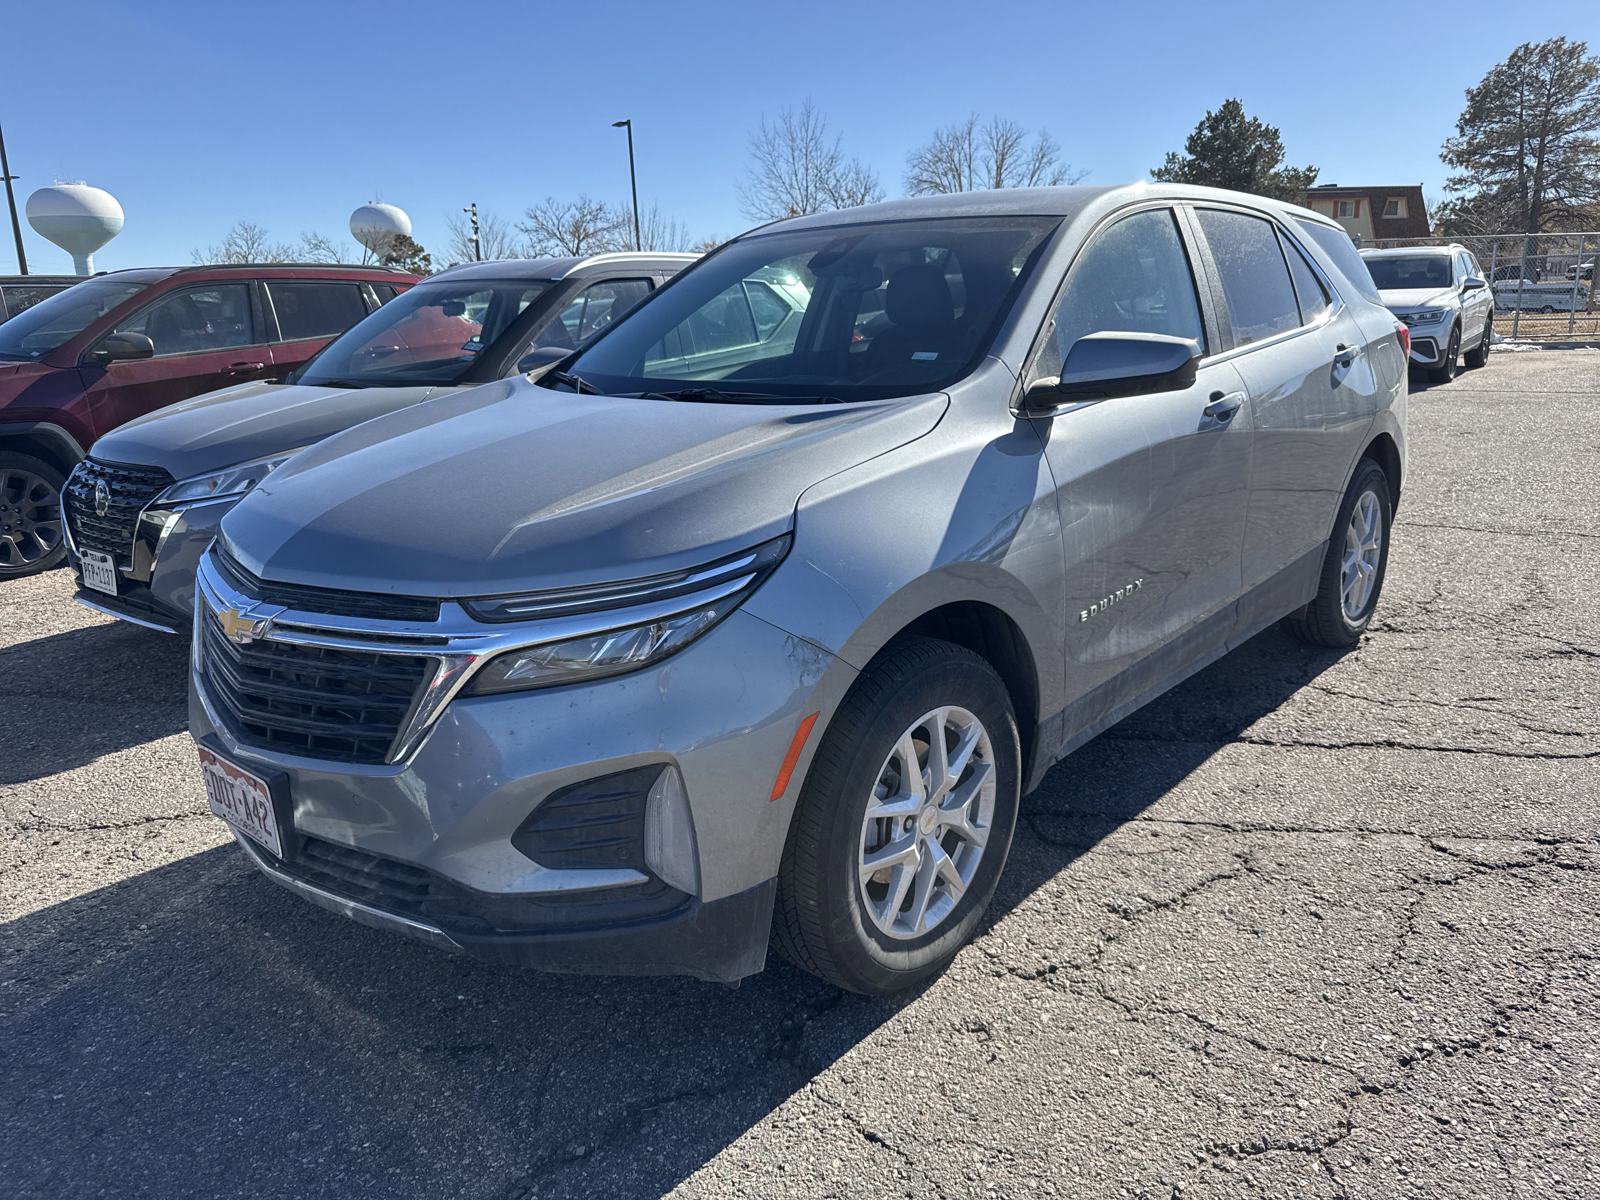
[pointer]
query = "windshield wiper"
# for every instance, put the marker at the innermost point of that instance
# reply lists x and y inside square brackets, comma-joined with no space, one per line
[576,382]
[711,395]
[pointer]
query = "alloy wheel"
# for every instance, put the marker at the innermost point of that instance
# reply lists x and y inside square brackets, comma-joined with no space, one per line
[1363,550]
[30,519]
[927,823]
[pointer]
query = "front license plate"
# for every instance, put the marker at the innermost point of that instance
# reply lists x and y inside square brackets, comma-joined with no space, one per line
[241,799]
[99,571]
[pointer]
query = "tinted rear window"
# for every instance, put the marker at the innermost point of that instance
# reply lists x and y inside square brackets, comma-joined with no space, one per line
[309,310]
[1255,278]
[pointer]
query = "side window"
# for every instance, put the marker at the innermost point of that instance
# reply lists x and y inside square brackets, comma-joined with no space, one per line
[1133,278]
[724,323]
[1336,244]
[768,310]
[1255,279]
[597,306]
[385,292]
[1313,296]
[309,310]
[196,320]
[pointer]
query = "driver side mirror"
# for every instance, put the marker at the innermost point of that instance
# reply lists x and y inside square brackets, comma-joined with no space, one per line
[539,360]
[1473,283]
[1101,366]
[122,347]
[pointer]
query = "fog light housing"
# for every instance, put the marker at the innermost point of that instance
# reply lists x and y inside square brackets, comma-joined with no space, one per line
[669,844]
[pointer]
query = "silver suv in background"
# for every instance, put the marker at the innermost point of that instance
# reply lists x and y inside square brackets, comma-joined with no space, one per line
[1441,294]
[148,498]
[708,638]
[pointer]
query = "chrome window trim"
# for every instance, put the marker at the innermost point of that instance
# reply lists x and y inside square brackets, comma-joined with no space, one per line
[457,643]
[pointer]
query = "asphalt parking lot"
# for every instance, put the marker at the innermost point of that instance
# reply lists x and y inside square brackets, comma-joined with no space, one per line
[1312,925]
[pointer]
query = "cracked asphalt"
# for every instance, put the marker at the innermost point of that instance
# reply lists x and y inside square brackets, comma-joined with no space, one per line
[1312,925]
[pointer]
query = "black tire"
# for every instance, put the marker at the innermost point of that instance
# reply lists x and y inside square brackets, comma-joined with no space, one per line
[1479,354]
[1323,622]
[1450,363]
[30,516]
[820,923]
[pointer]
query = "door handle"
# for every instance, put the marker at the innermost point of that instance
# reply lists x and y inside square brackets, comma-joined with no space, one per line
[1344,355]
[241,368]
[1223,406]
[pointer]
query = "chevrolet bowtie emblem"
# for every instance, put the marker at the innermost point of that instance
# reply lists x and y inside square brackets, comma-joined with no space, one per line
[243,626]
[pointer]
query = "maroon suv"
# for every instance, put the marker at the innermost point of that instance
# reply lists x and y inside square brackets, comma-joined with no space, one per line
[119,345]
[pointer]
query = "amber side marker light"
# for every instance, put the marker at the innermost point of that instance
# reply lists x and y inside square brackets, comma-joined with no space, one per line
[796,744]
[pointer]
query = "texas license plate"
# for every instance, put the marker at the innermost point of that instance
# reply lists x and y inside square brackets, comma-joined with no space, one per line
[99,571]
[241,799]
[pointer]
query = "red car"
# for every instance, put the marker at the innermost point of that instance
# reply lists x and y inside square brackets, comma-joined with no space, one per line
[119,345]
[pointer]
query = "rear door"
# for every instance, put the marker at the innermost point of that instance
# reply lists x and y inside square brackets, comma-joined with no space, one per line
[1304,361]
[1152,489]
[304,315]
[206,336]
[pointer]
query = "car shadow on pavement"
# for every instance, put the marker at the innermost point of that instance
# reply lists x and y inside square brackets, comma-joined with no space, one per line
[196,1031]
[71,697]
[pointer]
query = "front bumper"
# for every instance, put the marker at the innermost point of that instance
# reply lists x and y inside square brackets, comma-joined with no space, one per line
[721,713]
[157,590]
[1428,341]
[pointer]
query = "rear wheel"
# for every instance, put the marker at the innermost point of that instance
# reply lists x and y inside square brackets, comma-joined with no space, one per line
[904,823]
[1446,370]
[1479,354]
[30,516]
[1352,572]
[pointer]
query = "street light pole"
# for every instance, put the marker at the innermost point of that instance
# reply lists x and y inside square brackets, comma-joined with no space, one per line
[472,213]
[11,200]
[633,179]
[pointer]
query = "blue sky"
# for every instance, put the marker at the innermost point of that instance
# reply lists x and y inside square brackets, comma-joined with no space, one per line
[290,114]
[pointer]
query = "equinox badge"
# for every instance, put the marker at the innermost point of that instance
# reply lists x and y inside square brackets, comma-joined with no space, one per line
[1105,602]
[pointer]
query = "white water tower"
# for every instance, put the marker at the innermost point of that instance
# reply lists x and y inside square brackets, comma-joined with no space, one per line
[78,218]
[376,226]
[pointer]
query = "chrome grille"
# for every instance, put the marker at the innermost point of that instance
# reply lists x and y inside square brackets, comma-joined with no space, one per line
[338,705]
[129,489]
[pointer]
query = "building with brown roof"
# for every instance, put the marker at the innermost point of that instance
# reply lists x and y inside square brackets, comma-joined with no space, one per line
[1373,216]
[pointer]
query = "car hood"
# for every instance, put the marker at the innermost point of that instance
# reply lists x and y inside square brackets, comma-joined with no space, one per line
[511,487]
[245,422]
[1406,299]
[16,376]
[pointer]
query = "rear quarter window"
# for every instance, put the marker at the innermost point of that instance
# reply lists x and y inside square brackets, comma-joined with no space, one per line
[1336,244]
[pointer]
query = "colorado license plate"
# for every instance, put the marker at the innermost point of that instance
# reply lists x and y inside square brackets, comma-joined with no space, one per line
[241,799]
[99,571]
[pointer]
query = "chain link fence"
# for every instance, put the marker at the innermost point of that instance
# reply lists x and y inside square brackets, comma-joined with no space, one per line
[1544,284]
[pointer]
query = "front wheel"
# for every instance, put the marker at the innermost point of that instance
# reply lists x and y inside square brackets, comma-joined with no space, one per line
[1446,370]
[1352,572]
[1479,354]
[30,516]
[904,823]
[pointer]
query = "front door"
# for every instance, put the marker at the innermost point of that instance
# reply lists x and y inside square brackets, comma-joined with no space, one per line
[1152,489]
[205,337]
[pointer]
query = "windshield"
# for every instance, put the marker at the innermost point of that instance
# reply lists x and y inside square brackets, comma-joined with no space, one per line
[857,312]
[51,324]
[1421,271]
[429,335]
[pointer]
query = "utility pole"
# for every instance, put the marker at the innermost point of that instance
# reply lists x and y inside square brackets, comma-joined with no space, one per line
[11,199]
[633,179]
[472,213]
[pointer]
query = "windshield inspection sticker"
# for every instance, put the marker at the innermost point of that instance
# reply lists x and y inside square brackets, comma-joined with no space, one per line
[924,355]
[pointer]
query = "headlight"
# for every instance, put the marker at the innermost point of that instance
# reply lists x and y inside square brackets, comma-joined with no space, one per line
[234,481]
[1423,316]
[655,618]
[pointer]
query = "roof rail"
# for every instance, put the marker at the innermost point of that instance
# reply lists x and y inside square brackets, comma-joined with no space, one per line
[256,266]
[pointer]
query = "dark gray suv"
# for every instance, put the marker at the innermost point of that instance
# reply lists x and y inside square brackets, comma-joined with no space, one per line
[167,478]
[754,620]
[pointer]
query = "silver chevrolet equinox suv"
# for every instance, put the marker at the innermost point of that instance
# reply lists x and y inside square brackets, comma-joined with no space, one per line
[750,622]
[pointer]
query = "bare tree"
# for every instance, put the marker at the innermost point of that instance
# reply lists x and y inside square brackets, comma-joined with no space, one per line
[797,167]
[248,242]
[572,227]
[497,239]
[969,156]
[657,231]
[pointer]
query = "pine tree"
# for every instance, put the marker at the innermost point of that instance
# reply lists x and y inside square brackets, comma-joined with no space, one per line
[1229,149]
